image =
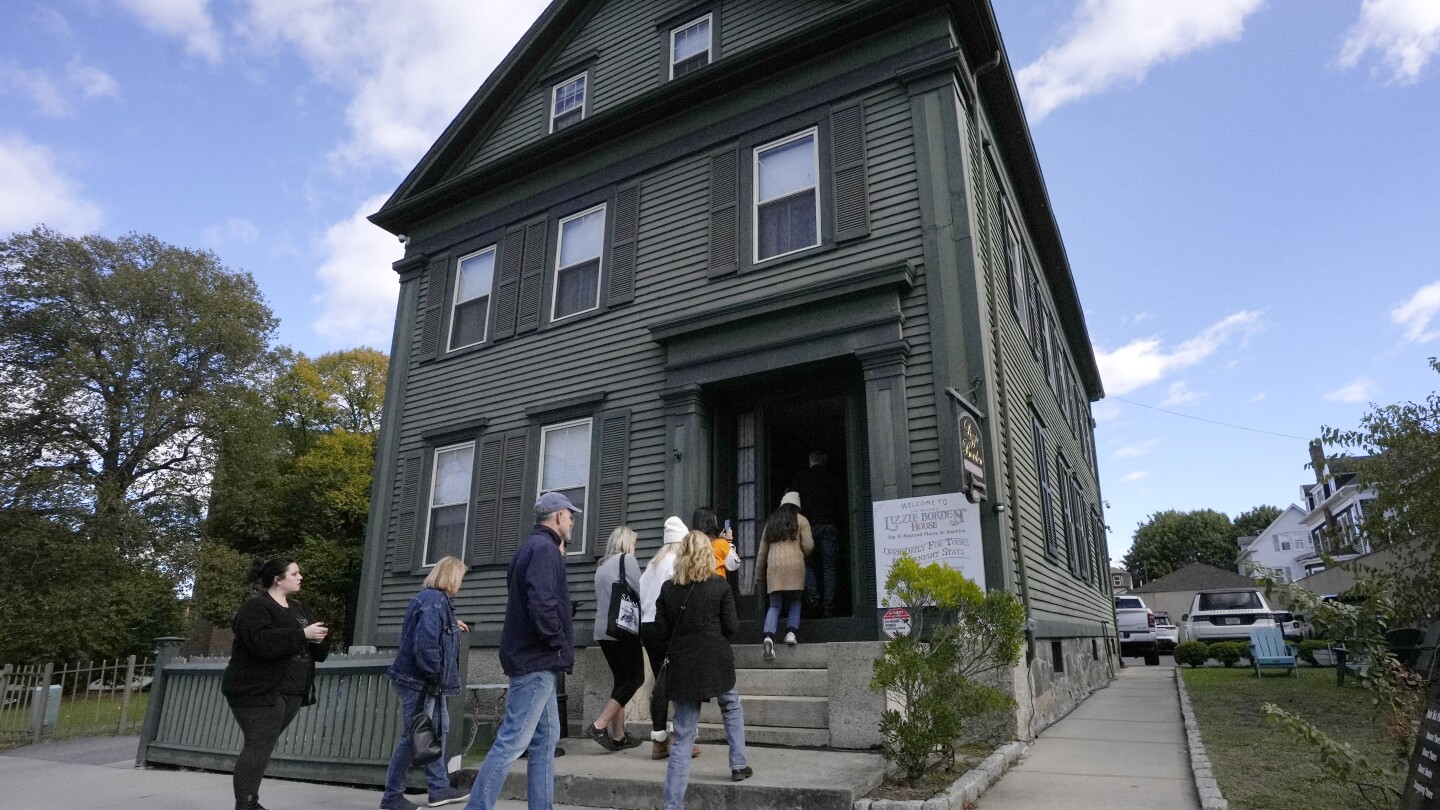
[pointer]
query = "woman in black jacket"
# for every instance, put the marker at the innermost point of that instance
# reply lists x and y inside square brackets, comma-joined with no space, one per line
[696,615]
[271,670]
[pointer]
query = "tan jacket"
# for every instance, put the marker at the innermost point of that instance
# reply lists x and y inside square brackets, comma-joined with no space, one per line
[783,563]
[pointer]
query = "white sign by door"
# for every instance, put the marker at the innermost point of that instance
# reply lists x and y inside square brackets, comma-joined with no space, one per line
[933,528]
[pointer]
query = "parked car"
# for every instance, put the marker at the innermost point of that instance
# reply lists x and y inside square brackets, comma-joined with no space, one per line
[1166,633]
[1294,627]
[1136,625]
[1226,614]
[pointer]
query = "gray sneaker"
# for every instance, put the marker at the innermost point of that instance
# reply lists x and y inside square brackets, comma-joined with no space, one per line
[448,796]
[768,645]
[397,803]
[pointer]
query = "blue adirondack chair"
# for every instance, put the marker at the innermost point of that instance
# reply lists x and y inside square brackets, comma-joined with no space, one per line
[1270,650]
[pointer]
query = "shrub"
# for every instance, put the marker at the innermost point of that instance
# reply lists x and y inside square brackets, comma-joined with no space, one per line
[1194,653]
[1308,648]
[1226,652]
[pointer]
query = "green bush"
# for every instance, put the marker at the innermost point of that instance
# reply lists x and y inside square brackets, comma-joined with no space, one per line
[1228,652]
[1194,653]
[1308,648]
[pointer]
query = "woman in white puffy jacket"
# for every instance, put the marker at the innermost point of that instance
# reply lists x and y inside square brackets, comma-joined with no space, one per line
[657,573]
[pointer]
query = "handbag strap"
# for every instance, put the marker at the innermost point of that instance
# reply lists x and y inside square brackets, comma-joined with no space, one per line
[676,628]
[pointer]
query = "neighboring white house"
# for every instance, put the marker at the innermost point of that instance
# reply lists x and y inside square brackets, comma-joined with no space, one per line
[1120,581]
[1340,495]
[1279,550]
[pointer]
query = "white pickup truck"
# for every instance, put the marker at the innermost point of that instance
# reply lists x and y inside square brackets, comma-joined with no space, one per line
[1136,625]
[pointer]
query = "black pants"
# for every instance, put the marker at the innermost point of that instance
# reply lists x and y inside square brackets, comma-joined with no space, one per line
[654,647]
[627,667]
[261,726]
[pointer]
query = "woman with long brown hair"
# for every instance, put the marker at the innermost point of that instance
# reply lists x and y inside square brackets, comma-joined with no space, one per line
[784,546]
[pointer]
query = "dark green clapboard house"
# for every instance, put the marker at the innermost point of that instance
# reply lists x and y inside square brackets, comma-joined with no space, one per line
[670,248]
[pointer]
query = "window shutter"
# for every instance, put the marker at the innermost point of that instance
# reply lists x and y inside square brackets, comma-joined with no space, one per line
[531,271]
[515,515]
[433,311]
[622,250]
[847,157]
[407,521]
[486,500]
[724,213]
[614,473]
[507,285]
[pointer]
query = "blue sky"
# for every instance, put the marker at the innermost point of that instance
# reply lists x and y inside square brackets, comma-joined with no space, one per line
[1249,191]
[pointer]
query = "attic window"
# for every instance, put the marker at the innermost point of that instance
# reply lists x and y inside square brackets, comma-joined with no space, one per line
[567,102]
[690,47]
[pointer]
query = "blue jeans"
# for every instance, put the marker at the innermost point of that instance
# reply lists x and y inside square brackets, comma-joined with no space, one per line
[687,720]
[412,702]
[821,566]
[772,616]
[531,724]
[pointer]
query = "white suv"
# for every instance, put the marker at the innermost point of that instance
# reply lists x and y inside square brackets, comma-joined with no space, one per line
[1227,614]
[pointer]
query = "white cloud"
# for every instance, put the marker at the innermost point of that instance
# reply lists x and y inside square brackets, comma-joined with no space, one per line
[235,230]
[360,288]
[1415,315]
[1360,389]
[186,20]
[1114,41]
[53,97]
[92,82]
[1134,476]
[1134,450]
[1180,393]
[34,190]
[1260,397]
[410,71]
[1406,31]
[1105,411]
[1142,362]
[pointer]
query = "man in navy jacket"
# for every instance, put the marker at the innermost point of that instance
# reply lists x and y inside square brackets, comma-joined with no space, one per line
[536,644]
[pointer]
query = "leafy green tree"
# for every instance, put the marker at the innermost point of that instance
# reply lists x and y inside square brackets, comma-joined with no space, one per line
[1255,521]
[1170,540]
[1396,450]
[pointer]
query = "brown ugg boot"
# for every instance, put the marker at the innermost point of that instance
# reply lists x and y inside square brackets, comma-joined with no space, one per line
[660,750]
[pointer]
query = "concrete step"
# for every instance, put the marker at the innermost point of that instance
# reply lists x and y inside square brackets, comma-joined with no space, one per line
[787,681]
[801,656]
[769,735]
[785,779]
[770,710]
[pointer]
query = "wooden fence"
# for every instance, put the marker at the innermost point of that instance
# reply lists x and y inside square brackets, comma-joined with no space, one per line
[347,736]
[46,701]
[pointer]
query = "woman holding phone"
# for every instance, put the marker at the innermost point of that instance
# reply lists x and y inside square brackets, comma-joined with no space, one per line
[271,673]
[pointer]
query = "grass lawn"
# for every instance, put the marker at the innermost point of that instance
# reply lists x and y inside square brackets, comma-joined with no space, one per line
[1260,766]
[83,715]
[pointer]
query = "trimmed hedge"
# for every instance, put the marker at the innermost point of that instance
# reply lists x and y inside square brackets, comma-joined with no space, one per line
[1192,653]
[1229,652]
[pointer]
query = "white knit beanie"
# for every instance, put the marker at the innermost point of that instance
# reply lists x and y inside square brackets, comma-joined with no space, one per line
[792,498]
[675,530]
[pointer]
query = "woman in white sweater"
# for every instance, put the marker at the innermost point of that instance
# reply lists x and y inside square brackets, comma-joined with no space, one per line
[657,573]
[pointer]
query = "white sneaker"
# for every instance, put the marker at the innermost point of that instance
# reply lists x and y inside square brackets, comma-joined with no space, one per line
[790,640]
[768,645]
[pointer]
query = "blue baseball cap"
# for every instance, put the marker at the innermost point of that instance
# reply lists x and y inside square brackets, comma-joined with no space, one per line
[553,502]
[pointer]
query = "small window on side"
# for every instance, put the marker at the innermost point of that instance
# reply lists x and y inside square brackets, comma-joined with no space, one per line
[787,196]
[690,47]
[473,277]
[577,263]
[567,102]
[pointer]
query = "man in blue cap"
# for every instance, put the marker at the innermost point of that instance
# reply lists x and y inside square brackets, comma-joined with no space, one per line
[536,645]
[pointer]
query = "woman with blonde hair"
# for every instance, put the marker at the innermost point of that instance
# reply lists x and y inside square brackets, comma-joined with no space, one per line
[695,614]
[427,669]
[622,652]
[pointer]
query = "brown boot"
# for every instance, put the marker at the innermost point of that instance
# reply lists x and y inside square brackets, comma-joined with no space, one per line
[694,751]
[660,750]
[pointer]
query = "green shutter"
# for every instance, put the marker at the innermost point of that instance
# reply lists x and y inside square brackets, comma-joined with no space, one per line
[532,270]
[515,515]
[487,501]
[622,250]
[724,213]
[507,284]
[614,472]
[433,309]
[847,158]
[407,520]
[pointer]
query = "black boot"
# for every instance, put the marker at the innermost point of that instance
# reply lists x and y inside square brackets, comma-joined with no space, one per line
[248,803]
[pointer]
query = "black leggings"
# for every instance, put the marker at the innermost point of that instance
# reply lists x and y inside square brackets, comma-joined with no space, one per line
[654,647]
[261,726]
[627,667]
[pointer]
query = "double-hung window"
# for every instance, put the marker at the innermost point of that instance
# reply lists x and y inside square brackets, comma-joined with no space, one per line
[690,47]
[565,468]
[577,263]
[787,196]
[567,102]
[449,502]
[473,276]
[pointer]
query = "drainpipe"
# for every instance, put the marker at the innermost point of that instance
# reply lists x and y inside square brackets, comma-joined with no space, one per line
[988,66]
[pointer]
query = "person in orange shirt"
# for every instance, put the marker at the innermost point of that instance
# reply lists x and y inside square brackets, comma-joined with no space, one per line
[707,520]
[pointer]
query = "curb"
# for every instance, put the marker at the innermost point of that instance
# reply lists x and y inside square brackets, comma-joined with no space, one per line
[1210,796]
[967,789]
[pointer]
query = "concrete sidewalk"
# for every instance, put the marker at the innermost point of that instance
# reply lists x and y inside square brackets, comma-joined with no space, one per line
[1122,749]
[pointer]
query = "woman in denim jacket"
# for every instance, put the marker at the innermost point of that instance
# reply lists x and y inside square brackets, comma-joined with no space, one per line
[427,667]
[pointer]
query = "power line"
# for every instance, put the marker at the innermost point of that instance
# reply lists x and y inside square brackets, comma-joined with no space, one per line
[1211,421]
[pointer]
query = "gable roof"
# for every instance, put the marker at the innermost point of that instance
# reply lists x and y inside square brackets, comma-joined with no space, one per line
[429,190]
[1196,576]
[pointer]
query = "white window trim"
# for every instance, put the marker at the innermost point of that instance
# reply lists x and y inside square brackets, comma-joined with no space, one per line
[456,302]
[599,267]
[709,19]
[812,132]
[430,500]
[584,98]
[540,470]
